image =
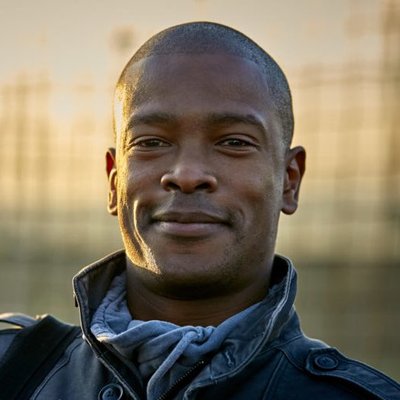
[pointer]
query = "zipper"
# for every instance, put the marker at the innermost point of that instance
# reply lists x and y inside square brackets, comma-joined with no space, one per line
[182,381]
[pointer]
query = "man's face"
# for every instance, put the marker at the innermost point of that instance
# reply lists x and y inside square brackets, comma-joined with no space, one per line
[199,177]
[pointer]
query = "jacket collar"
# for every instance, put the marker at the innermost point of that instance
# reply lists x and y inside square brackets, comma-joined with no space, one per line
[91,284]
[275,312]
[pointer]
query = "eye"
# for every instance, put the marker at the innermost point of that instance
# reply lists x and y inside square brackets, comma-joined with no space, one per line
[235,142]
[149,143]
[238,145]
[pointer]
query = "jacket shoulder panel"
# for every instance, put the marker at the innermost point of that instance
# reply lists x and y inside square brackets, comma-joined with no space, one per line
[331,363]
[17,319]
[10,325]
[321,361]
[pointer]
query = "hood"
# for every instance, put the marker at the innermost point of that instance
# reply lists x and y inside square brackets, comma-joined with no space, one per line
[240,347]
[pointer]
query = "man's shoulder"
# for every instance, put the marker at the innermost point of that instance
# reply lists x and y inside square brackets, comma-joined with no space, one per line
[16,320]
[322,366]
[21,330]
[29,348]
[10,325]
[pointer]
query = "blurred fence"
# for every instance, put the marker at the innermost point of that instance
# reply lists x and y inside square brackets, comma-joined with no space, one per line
[345,239]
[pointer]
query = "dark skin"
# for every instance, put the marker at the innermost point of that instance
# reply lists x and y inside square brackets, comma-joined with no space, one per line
[198,179]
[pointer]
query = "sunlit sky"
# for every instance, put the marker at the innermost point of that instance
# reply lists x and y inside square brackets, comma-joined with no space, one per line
[68,40]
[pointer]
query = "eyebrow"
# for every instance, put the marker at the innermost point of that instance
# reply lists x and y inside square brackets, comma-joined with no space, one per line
[236,118]
[224,118]
[153,118]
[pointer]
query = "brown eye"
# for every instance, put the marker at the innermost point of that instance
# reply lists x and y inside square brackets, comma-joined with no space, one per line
[235,142]
[151,143]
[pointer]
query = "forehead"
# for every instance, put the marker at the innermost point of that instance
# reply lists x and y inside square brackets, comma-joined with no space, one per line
[195,85]
[220,75]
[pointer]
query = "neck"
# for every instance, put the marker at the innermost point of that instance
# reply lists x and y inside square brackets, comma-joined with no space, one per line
[147,304]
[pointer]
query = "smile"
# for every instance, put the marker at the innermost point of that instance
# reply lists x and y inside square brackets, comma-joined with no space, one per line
[188,224]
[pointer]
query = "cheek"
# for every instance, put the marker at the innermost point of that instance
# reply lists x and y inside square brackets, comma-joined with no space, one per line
[127,188]
[139,192]
[262,188]
[262,197]
[132,180]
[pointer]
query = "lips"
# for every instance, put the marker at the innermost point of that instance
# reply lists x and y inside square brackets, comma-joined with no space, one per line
[188,217]
[188,223]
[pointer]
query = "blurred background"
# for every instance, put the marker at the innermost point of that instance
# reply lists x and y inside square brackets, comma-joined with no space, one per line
[59,63]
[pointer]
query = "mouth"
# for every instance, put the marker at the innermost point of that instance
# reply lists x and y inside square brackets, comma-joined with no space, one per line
[190,224]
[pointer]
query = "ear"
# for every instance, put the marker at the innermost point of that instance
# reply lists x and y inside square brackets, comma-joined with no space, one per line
[295,167]
[111,169]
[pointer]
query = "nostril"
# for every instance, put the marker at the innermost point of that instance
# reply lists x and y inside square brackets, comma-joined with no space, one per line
[204,186]
[171,186]
[188,181]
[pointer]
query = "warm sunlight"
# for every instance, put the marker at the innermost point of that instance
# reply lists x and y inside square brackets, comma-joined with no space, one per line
[60,62]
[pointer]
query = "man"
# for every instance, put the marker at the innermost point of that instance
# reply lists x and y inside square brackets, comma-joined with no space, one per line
[198,306]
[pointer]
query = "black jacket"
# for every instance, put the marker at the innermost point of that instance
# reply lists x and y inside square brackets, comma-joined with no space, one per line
[268,359]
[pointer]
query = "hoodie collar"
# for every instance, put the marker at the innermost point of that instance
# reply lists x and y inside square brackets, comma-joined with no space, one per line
[92,283]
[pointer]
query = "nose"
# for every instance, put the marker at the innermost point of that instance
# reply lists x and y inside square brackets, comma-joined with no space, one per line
[189,176]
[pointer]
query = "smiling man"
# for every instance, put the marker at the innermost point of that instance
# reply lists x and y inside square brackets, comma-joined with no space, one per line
[200,174]
[198,305]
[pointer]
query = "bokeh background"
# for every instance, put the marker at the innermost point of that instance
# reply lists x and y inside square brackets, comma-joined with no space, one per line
[59,62]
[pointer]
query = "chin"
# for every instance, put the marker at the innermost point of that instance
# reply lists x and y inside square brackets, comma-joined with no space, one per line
[182,289]
[193,280]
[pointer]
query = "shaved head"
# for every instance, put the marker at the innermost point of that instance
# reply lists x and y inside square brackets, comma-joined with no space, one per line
[211,38]
[202,168]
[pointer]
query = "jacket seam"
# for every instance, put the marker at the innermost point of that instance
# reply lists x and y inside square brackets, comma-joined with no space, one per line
[59,365]
[273,379]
